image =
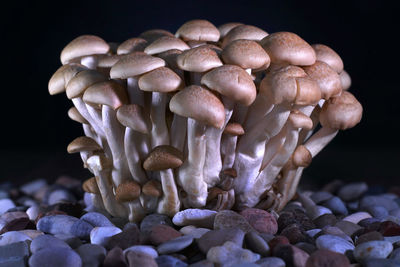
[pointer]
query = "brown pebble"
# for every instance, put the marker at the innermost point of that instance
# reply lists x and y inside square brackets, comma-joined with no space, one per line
[324,257]
[162,233]
[293,256]
[261,220]
[374,235]
[278,240]
[127,238]
[389,228]
[295,234]
[324,220]
[115,258]
[13,221]
[137,258]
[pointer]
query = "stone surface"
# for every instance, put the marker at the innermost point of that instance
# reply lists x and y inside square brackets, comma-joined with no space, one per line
[278,240]
[96,219]
[369,201]
[33,186]
[71,240]
[292,255]
[47,241]
[316,211]
[149,250]
[198,232]
[136,258]
[14,254]
[162,233]
[13,221]
[169,261]
[372,250]
[307,247]
[260,220]
[130,236]
[378,212]
[395,255]
[324,257]
[13,237]
[91,255]
[296,216]
[352,191]
[230,253]
[202,263]
[324,220]
[257,244]
[336,205]
[320,196]
[347,227]
[333,243]
[295,234]
[219,237]
[381,263]
[357,217]
[57,256]
[333,230]
[33,212]
[175,245]
[115,258]
[154,219]
[370,236]
[60,195]
[101,235]
[389,228]
[56,224]
[230,219]
[5,205]
[196,217]
[271,262]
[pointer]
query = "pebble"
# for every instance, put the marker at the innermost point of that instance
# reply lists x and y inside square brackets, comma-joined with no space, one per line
[187,229]
[115,258]
[370,236]
[56,224]
[352,191]
[231,253]
[169,261]
[278,240]
[154,219]
[320,196]
[96,219]
[307,247]
[33,212]
[4,194]
[13,221]
[296,216]
[333,186]
[219,237]
[162,233]
[295,233]
[333,243]
[369,201]
[143,248]
[13,237]
[292,255]
[92,255]
[47,241]
[130,236]
[395,255]
[395,212]
[198,232]
[81,229]
[5,205]
[136,258]
[389,228]
[333,230]
[230,219]
[15,254]
[372,250]
[260,220]
[71,240]
[55,256]
[324,257]
[101,235]
[357,217]
[33,186]
[392,239]
[368,221]
[175,245]
[324,220]
[257,244]
[347,227]
[202,263]
[316,211]
[197,217]
[271,262]
[31,233]
[381,263]
[336,205]
[313,232]
[59,196]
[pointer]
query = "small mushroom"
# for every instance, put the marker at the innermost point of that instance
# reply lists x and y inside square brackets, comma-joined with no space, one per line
[152,191]
[90,187]
[228,143]
[198,30]
[152,35]
[165,43]
[326,54]
[85,146]
[131,45]
[129,192]
[345,80]
[225,28]
[247,32]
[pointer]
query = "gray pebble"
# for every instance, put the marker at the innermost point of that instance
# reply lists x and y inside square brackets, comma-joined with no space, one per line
[352,191]
[4,194]
[230,219]
[372,250]
[197,217]
[347,227]
[14,254]
[5,205]
[333,230]
[395,255]
[91,255]
[313,232]
[198,232]
[219,237]
[395,212]
[333,243]
[71,240]
[81,229]
[307,247]
[153,219]
[169,261]
[369,201]
[271,262]
[55,256]
[59,196]
[336,205]
[392,239]
[33,186]
[320,196]
[316,211]
[257,244]
[96,219]
[378,212]
[33,212]
[230,253]
[101,235]
[149,250]
[175,245]
[56,224]
[13,237]
[47,241]
[381,263]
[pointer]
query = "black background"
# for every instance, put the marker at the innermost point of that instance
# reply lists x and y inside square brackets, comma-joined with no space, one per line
[35,129]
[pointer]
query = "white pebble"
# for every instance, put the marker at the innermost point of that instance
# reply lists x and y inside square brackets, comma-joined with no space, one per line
[101,235]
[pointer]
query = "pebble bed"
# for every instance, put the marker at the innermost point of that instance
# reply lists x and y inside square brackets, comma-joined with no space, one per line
[339,225]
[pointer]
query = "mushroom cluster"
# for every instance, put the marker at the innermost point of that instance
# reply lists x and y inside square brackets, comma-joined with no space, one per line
[217,118]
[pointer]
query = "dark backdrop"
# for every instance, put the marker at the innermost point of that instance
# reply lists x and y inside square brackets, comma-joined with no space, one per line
[35,129]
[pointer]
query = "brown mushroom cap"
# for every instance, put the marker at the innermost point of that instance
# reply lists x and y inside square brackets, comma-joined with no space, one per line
[62,76]
[83,143]
[127,191]
[345,80]
[198,59]
[165,43]
[301,156]
[198,30]
[152,188]
[152,35]
[162,80]
[199,104]
[133,116]
[135,64]
[162,158]
[341,112]
[290,84]
[329,56]
[234,128]
[245,53]
[247,32]
[288,48]
[90,186]
[299,120]
[233,82]
[81,81]
[74,114]
[110,93]
[170,57]
[328,80]
[225,28]
[85,45]
[131,45]
[107,61]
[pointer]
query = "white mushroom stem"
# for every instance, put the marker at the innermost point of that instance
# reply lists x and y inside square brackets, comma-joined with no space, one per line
[87,129]
[251,147]
[115,137]
[90,62]
[320,139]
[95,114]
[82,108]
[169,203]
[178,132]
[228,149]
[136,211]
[159,131]
[190,174]
[134,151]
[314,116]
[136,96]
[257,111]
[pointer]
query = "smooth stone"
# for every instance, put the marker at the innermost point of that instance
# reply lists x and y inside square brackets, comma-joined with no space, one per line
[4,194]
[81,229]
[33,212]
[115,258]
[13,254]
[370,236]
[169,261]
[369,201]
[316,211]
[333,230]
[130,236]
[296,216]
[320,196]
[143,248]
[198,232]
[129,225]
[175,245]
[5,205]
[55,256]
[389,228]
[324,257]
[353,205]
[46,242]
[246,264]
[307,247]
[96,219]
[154,219]
[347,227]
[392,239]
[71,240]
[278,240]
[294,205]
[13,237]
[261,220]
[295,233]
[56,224]
[392,219]
[31,233]
[101,235]
[324,220]
[230,253]
[333,243]
[162,233]
[333,186]
[395,212]
[381,263]
[197,217]
[367,222]
[292,255]
[336,205]
[202,263]
[378,212]
[215,238]
[271,262]
[187,229]
[395,255]
[352,191]
[313,232]
[372,250]
[136,258]
[13,221]
[257,244]
[59,196]
[230,219]
[33,186]
[92,255]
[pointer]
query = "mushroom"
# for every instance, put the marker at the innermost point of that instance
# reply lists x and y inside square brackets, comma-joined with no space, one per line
[202,108]
[228,143]
[198,30]
[131,45]
[61,77]
[129,192]
[74,114]
[163,159]
[90,187]
[152,191]
[165,43]
[225,28]
[247,32]
[326,54]
[219,199]
[85,146]
[152,35]
[345,80]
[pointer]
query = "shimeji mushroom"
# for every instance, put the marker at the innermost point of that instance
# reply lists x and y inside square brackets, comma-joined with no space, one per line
[202,108]
[326,54]
[219,199]
[165,43]
[152,35]
[131,45]
[61,77]
[152,191]
[90,187]
[74,114]
[128,192]
[227,27]
[163,159]
[345,79]
[228,143]
[247,32]
[85,146]
[198,30]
